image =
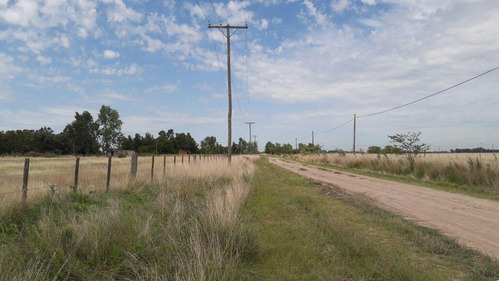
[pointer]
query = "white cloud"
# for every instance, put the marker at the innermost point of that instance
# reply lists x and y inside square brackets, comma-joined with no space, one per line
[264,24]
[121,13]
[21,13]
[340,5]
[369,2]
[167,88]
[132,69]
[43,60]
[319,17]
[8,70]
[110,54]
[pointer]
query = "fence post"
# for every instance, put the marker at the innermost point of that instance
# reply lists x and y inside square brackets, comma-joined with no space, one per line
[189,159]
[77,169]
[164,164]
[152,167]
[108,178]
[175,159]
[25,178]
[182,159]
[195,158]
[133,167]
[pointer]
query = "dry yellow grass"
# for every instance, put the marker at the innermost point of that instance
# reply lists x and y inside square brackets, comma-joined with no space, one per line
[168,234]
[474,170]
[57,174]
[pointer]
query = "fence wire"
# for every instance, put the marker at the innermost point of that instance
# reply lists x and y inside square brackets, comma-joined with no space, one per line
[100,180]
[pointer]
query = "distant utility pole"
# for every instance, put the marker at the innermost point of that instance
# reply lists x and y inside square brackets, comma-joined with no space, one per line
[313,138]
[255,141]
[250,136]
[295,143]
[229,114]
[354,136]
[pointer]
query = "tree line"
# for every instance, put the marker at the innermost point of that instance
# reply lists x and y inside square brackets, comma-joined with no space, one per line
[86,136]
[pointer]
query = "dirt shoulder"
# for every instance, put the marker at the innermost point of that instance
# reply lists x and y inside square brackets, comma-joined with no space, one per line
[473,221]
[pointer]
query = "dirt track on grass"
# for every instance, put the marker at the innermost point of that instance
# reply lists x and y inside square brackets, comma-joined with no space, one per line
[472,220]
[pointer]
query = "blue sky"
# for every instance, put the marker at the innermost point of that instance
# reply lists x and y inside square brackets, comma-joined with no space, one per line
[310,65]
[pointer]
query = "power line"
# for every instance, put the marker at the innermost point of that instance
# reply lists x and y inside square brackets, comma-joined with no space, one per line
[336,127]
[215,47]
[426,97]
[215,10]
[243,10]
[203,11]
[218,61]
[246,71]
[238,101]
[306,137]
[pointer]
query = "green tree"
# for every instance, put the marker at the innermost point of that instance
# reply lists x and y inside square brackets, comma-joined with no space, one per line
[410,146]
[186,142]
[208,145]
[166,142]
[374,149]
[270,148]
[83,133]
[110,127]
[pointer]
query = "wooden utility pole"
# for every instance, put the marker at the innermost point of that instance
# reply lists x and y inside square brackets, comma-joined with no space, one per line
[295,143]
[229,114]
[255,143]
[354,136]
[313,138]
[250,136]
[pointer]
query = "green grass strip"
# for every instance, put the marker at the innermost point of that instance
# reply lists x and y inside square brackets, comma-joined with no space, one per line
[307,231]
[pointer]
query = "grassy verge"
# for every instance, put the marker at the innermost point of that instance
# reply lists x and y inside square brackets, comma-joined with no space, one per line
[186,227]
[310,232]
[467,190]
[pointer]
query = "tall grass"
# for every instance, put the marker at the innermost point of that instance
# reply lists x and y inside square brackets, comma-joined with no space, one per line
[185,226]
[471,172]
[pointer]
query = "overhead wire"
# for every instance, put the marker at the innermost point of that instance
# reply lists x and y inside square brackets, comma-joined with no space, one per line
[431,95]
[409,103]
[203,12]
[308,136]
[215,10]
[246,69]
[347,122]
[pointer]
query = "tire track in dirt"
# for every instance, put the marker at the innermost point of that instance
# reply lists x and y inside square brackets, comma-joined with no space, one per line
[472,220]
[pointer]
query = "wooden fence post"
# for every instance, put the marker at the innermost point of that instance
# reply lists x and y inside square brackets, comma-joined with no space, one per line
[108,178]
[77,170]
[152,167]
[195,158]
[175,159]
[133,167]
[182,159]
[164,164]
[25,178]
[189,159]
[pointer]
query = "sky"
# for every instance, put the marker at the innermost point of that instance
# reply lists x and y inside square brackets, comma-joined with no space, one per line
[301,66]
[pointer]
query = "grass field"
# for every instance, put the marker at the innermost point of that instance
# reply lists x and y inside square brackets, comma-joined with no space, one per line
[471,174]
[208,221]
[46,174]
[186,226]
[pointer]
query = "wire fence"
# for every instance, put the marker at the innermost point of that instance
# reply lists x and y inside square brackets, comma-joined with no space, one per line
[27,177]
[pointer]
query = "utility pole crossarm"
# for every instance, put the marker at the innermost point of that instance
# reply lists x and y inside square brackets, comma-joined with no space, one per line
[229,26]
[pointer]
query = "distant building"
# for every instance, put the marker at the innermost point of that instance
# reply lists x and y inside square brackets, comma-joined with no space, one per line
[184,152]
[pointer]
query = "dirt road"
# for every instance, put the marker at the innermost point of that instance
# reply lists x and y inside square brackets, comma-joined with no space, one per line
[473,221]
